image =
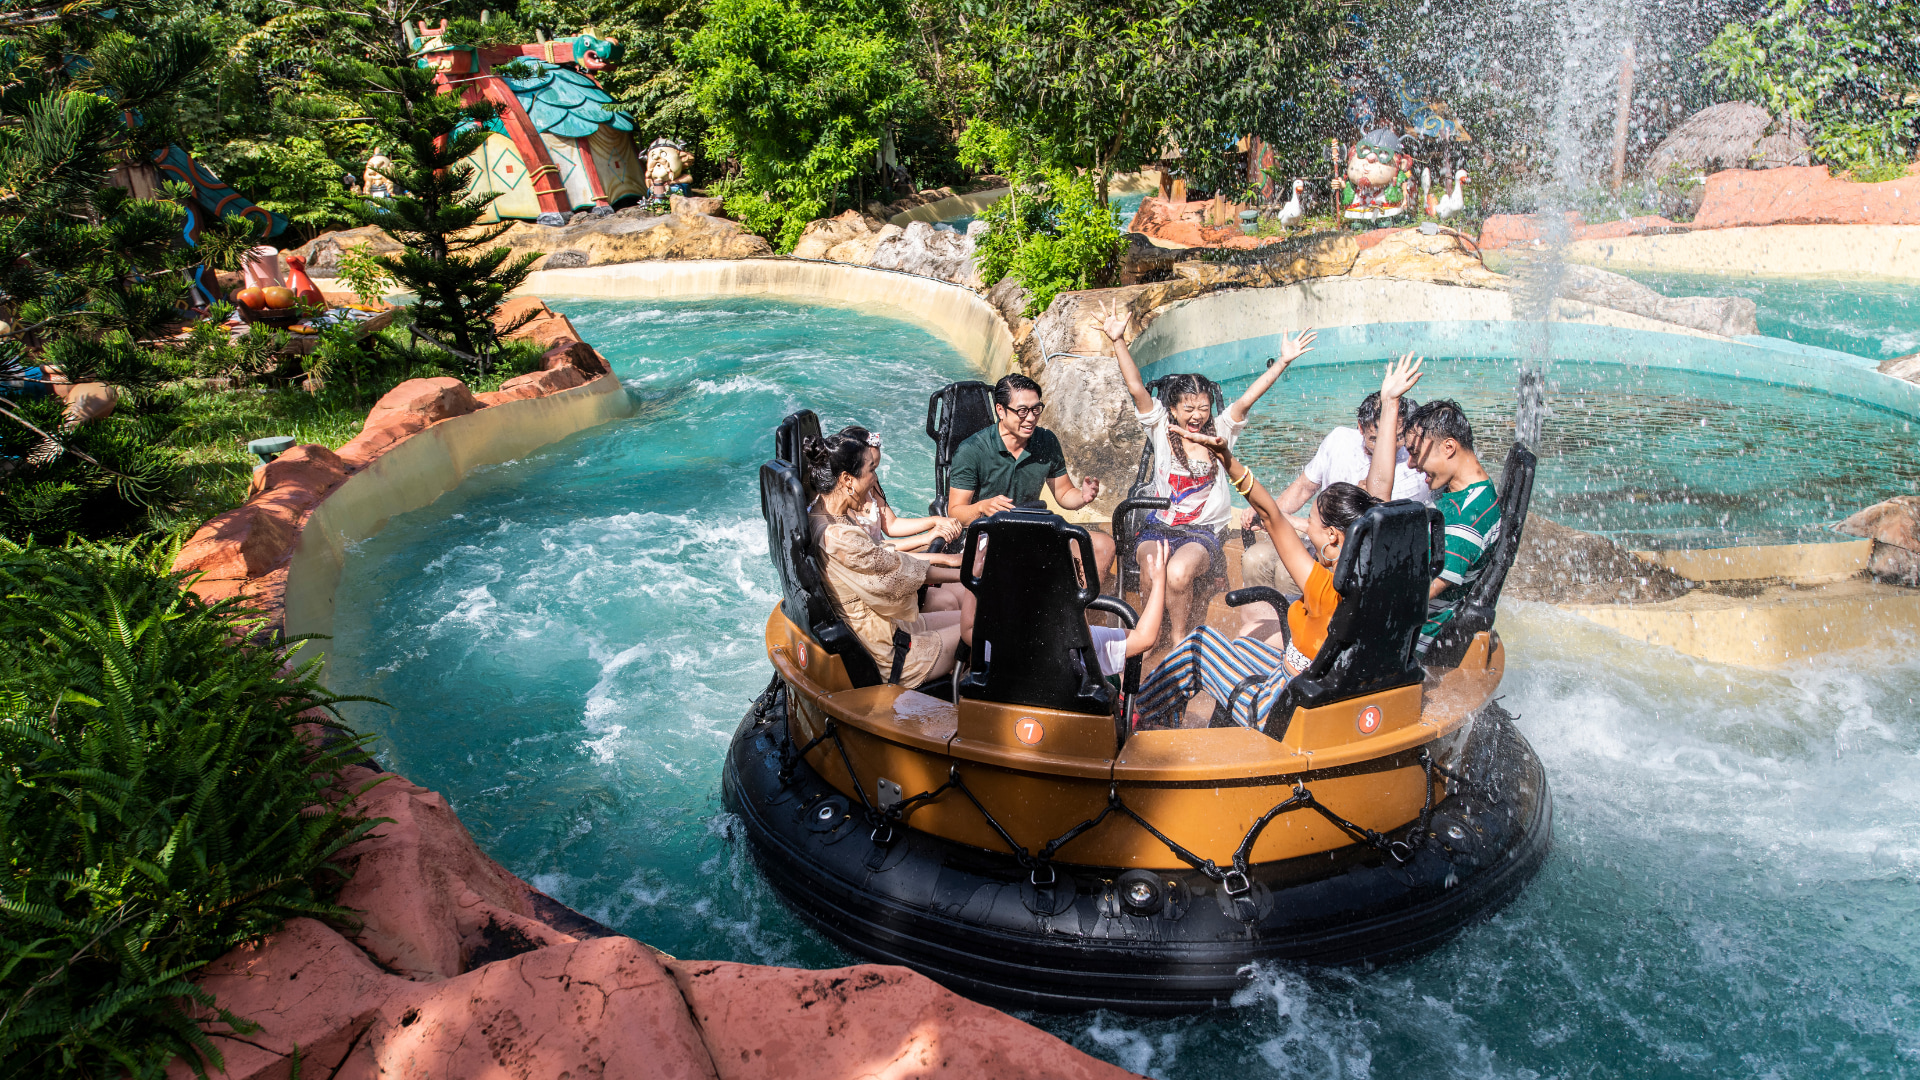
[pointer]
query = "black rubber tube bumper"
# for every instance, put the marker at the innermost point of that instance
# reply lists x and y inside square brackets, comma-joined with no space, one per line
[1160,942]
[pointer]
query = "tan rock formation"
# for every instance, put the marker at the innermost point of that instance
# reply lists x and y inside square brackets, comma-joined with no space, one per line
[695,204]
[1894,528]
[1412,255]
[848,238]
[1559,565]
[631,235]
[1902,367]
[919,248]
[1729,316]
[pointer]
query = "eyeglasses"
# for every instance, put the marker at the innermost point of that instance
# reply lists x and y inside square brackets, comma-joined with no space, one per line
[1026,412]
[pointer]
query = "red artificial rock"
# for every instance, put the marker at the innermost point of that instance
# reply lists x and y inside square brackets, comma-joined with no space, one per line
[1510,230]
[426,892]
[238,544]
[577,354]
[547,382]
[605,1009]
[306,986]
[521,309]
[1804,195]
[769,1023]
[544,332]
[435,399]
[310,468]
[380,434]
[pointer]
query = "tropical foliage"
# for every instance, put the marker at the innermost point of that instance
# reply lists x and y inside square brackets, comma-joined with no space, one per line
[157,808]
[1052,231]
[1850,71]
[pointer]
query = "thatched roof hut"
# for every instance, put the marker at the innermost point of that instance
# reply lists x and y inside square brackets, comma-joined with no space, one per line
[1735,135]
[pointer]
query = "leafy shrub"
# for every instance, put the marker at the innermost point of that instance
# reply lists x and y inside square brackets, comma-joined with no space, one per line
[1051,231]
[157,807]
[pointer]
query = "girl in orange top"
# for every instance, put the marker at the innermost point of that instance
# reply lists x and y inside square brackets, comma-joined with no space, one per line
[1246,673]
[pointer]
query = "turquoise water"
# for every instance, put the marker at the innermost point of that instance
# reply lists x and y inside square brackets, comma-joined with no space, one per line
[1654,458]
[568,640]
[1879,319]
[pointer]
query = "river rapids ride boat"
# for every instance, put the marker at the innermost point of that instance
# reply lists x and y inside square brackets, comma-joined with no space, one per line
[1007,833]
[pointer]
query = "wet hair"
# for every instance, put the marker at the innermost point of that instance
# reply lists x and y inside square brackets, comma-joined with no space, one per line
[1008,385]
[829,458]
[1341,504]
[1368,414]
[1444,419]
[1171,388]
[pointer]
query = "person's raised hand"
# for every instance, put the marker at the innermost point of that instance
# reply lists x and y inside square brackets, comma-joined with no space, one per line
[1402,375]
[1292,348]
[1114,326]
[1089,488]
[1215,443]
[1153,559]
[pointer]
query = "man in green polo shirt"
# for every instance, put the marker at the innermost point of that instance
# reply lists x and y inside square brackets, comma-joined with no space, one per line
[1006,465]
[1463,493]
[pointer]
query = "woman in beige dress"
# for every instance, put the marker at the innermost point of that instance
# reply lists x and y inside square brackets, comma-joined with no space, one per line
[875,586]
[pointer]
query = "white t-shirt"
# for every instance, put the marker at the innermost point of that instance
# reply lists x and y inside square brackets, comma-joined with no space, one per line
[1110,645]
[1342,458]
[1199,502]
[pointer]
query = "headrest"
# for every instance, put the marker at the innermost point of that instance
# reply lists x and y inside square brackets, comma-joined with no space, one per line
[793,433]
[1030,624]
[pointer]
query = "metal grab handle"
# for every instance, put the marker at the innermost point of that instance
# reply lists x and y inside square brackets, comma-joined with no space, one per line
[1138,502]
[1254,594]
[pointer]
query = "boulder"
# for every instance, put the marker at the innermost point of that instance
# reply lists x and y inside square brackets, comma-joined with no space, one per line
[549,381]
[848,238]
[238,544]
[1144,261]
[518,312]
[633,235]
[920,248]
[322,253]
[696,204]
[577,354]
[1441,257]
[766,1023]
[1728,316]
[380,433]
[1559,565]
[546,331]
[1805,196]
[1902,367]
[1894,528]
[434,399]
[425,893]
[312,468]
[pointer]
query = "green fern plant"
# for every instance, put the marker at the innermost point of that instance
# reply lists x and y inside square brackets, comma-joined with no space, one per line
[158,807]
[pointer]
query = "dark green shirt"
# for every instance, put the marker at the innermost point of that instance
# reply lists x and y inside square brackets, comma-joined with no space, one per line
[983,466]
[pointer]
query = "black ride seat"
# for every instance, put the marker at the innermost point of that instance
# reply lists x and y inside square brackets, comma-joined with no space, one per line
[792,433]
[1477,608]
[1390,556]
[1032,614]
[954,413]
[803,586]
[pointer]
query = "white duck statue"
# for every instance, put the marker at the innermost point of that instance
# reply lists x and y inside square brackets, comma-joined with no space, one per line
[1453,201]
[1292,213]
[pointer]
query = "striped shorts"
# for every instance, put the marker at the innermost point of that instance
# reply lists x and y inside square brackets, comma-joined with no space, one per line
[1246,671]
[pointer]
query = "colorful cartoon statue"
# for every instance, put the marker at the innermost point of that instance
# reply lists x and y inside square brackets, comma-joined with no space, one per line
[669,170]
[1378,185]
[558,145]
[373,184]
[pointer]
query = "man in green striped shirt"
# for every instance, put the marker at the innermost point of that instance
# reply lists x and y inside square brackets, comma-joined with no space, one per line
[1463,493]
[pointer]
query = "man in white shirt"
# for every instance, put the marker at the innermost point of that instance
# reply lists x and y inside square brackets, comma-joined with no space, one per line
[1345,456]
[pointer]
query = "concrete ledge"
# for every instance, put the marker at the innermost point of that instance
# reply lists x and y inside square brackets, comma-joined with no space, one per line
[1774,626]
[1878,251]
[974,327]
[1801,564]
[418,470]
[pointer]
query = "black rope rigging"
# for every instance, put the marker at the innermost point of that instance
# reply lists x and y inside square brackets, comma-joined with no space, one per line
[1234,879]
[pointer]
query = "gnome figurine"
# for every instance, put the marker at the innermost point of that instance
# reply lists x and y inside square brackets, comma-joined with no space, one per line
[1378,185]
